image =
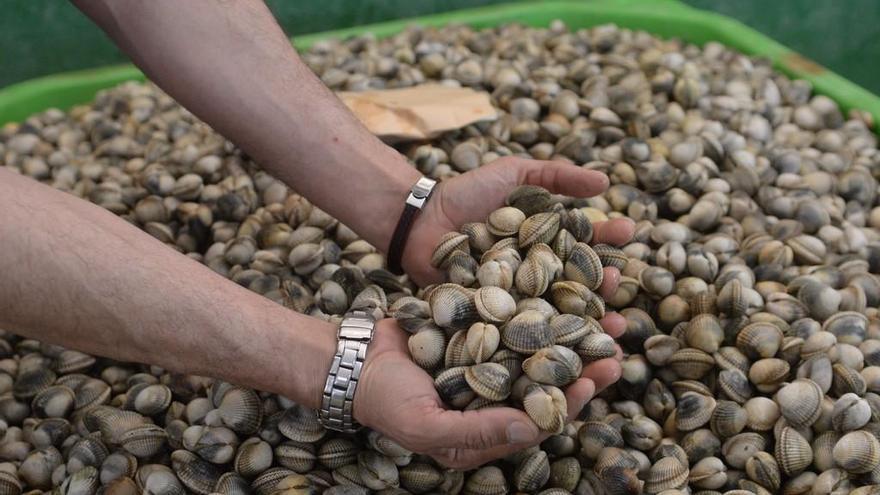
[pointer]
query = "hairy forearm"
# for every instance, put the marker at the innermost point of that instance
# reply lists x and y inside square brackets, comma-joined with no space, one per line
[232,66]
[73,274]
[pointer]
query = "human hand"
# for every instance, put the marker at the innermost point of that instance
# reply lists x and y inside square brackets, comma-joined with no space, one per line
[398,399]
[472,196]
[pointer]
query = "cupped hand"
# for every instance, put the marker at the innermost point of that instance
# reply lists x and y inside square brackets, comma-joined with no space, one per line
[397,398]
[472,196]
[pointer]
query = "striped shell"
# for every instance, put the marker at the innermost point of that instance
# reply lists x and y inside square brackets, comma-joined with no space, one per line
[546,406]
[540,227]
[556,365]
[527,332]
[583,265]
[489,380]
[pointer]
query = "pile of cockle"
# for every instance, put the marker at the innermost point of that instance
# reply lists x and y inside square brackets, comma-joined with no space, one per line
[752,353]
[503,340]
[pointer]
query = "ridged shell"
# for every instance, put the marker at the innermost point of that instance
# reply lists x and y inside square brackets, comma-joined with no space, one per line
[215,444]
[527,332]
[299,457]
[377,471]
[704,332]
[546,406]
[532,277]
[667,473]
[253,457]
[494,304]
[232,484]
[575,298]
[584,266]
[768,374]
[530,199]
[557,366]
[693,411]
[148,399]
[53,402]
[452,306]
[511,360]
[450,242]
[196,474]
[596,346]
[420,477]
[453,388]
[540,227]
[691,364]
[70,361]
[487,480]
[427,347]
[763,470]
[578,223]
[611,256]
[337,452]
[569,330]
[532,473]
[850,412]
[728,418]
[857,452]
[301,424]
[266,483]
[505,221]
[479,236]
[759,340]
[84,481]
[482,341]
[737,449]
[144,441]
[593,436]
[792,451]
[241,410]
[800,402]
[29,383]
[457,353]
[489,380]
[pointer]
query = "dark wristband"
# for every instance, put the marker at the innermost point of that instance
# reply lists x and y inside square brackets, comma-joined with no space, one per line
[417,198]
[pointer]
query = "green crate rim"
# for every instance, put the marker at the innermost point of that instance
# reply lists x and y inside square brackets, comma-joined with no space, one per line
[666,18]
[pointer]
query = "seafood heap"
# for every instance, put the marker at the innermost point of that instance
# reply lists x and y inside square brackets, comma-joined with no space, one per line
[751,360]
[504,339]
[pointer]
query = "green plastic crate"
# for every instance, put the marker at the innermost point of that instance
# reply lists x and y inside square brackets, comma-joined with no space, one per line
[665,18]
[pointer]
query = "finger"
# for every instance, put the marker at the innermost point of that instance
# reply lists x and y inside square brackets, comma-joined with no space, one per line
[578,394]
[603,373]
[563,178]
[614,324]
[616,231]
[610,281]
[484,428]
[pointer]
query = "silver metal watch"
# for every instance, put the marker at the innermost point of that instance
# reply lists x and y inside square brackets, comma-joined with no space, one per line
[355,334]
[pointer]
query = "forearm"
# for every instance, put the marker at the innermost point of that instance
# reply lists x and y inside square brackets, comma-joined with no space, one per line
[73,274]
[232,66]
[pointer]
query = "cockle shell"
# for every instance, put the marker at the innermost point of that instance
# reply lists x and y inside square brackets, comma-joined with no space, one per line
[584,266]
[450,242]
[489,380]
[547,407]
[427,347]
[494,304]
[857,452]
[527,332]
[556,365]
[453,306]
[538,228]
[482,341]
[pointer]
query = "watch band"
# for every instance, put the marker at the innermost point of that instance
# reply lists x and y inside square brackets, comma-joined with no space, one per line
[355,334]
[417,198]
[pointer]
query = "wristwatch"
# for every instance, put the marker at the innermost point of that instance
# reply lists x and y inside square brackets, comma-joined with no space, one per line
[355,335]
[417,198]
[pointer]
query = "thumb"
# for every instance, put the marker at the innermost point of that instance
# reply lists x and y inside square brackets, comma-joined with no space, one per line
[563,178]
[487,428]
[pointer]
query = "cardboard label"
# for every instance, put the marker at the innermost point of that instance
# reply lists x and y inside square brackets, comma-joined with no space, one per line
[419,112]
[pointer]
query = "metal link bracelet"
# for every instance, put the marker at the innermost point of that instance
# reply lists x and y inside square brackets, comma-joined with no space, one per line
[355,335]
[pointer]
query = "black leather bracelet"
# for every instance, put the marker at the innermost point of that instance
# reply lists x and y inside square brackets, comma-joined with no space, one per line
[417,198]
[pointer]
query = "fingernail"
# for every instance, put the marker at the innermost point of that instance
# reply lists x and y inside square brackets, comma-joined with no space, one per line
[519,432]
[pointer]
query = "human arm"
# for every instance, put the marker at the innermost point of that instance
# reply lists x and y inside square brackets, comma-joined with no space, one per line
[232,66]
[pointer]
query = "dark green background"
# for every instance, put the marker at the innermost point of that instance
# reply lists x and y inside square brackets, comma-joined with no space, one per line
[39,37]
